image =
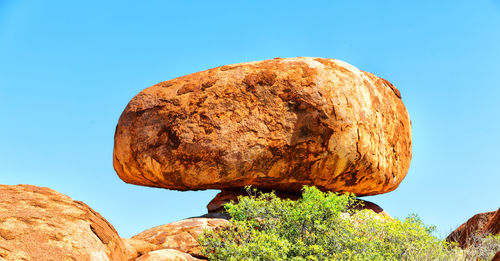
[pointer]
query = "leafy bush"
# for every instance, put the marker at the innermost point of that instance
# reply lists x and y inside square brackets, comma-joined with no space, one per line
[320,226]
[481,246]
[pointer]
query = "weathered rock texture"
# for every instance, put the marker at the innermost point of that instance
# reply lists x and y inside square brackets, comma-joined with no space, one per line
[166,255]
[276,124]
[478,226]
[39,223]
[493,226]
[181,235]
[135,247]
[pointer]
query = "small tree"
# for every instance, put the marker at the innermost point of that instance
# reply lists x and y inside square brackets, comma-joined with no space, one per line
[319,226]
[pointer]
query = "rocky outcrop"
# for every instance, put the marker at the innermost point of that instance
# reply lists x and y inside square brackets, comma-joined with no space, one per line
[493,226]
[39,223]
[135,247]
[478,226]
[276,124]
[166,255]
[181,235]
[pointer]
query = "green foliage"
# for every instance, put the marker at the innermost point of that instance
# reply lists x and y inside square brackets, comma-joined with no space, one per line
[320,226]
[481,247]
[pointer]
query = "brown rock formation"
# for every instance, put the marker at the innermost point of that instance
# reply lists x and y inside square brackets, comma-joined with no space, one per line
[41,224]
[493,226]
[477,226]
[136,247]
[166,255]
[181,235]
[276,124]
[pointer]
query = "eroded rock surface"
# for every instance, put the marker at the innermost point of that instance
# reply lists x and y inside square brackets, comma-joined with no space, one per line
[493,225]
[181,235]
[166,255]
[275,124]
[135,247]
[39,223]
[478,226]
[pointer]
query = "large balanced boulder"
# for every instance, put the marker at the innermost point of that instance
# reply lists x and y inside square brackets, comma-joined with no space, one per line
[275,124]
[39,223]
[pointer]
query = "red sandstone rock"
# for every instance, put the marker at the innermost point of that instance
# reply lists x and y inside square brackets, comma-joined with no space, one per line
[166,255]
[276,124]
[477,226]
[493,226]
[496,257]
[136,247]
[181,235]
[41,224]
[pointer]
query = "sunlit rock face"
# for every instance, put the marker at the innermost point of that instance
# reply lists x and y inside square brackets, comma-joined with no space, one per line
[276,124]
[181,235]
[39,223]
[167,254]
[477,227]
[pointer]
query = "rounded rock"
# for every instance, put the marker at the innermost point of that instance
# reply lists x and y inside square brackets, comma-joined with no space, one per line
[38,223]
[276,124]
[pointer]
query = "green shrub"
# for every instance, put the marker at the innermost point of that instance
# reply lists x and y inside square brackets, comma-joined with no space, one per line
[481,247]
[320,226]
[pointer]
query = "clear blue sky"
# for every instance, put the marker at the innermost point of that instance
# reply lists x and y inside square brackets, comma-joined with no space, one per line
[69,68]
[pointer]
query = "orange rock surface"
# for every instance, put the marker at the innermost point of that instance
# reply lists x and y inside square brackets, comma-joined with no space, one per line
[135,247]
[39,223]
[479,225]
[166,255]
[181,235]
[275,124]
